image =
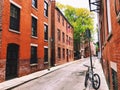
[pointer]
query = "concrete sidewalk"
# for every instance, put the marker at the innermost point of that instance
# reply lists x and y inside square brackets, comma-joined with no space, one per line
[24,79]
[98,69]
[21,80]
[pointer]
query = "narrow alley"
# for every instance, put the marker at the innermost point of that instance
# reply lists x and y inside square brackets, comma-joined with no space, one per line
[70,77]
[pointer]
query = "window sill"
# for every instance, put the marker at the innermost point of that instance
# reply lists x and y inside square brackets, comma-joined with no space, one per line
[35,64]
[34,37]
[45,62]
[34,8]
[46,40]
[14,31]
[46,16]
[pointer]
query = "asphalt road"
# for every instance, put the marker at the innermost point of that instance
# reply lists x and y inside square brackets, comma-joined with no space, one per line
[68,78]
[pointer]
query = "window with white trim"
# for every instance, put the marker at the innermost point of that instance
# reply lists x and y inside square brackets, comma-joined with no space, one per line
[45,32]
[14,17]
[45,8]
[34,27]
[34,3]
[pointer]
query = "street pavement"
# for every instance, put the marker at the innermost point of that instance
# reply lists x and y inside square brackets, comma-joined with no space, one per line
[69,76]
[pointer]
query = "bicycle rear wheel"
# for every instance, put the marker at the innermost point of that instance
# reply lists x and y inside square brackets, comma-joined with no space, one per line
[96,81]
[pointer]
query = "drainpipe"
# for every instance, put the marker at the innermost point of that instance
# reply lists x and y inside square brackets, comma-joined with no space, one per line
[49,34]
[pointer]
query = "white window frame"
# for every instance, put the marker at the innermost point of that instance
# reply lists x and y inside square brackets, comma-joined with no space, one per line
[109,17]
[14,3]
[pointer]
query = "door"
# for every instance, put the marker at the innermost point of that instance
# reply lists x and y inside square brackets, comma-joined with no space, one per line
[12,61]
[67,55]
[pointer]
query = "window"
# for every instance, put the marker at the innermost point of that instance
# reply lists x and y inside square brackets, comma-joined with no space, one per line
[33,55]
[59,54]
[46,8]
[45,32]
[14,18]
[34,27]
[63,21]
[68,28]
[45,54]
[63,53]
[58,34]
[63,37]
[58,16]
[69,40]
[66,39]
[114,80]
[34,3]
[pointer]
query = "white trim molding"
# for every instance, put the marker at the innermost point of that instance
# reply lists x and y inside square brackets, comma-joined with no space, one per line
[34,16]
[45,23]
[45,46]
[35,45]
[113,66]
[14,3]
[46,1]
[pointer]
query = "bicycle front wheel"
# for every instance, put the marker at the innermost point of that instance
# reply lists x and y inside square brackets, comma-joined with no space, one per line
[96,81]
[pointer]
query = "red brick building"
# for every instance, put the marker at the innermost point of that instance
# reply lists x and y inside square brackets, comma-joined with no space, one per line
[109,26]
[24,37]
[23,29]
[62,37]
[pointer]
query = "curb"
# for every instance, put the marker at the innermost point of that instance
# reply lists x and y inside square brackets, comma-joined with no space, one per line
[21,80]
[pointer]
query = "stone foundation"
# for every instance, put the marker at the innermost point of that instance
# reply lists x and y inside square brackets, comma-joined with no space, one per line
[2,69]
[24,67]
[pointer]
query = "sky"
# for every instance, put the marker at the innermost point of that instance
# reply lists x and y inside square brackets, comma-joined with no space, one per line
[76,3]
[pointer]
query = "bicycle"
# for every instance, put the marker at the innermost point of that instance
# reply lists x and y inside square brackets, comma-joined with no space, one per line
[94,78]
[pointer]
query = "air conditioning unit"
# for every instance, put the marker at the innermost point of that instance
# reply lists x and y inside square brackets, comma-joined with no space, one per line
[118,17]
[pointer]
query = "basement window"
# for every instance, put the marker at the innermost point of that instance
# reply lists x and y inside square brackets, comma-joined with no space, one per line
[45,54]
[114,80]
[33,59]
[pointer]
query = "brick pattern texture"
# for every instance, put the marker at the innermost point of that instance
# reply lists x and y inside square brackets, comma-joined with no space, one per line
[110,41]
[24,39]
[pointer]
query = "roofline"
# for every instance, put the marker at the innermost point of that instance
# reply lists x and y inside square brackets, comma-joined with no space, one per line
[63,15]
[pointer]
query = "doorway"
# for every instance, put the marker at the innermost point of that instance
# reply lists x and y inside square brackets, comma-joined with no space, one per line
[12,61]
[67,55]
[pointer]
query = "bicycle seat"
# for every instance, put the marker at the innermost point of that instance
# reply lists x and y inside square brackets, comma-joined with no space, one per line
[88,66]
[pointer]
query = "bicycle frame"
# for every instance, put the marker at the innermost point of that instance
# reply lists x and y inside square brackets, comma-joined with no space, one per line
[90,73]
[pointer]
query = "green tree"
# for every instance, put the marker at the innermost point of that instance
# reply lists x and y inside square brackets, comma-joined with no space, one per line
[81,19]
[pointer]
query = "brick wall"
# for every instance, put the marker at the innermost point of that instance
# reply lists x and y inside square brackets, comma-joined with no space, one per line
[110,41]
[63,28]
[23,38]
[1,9]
